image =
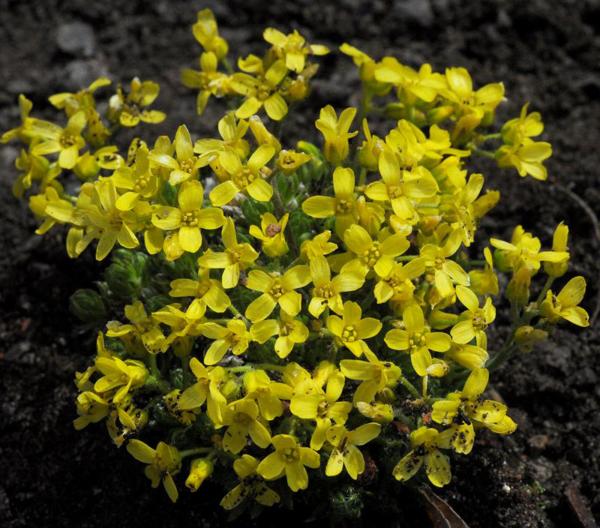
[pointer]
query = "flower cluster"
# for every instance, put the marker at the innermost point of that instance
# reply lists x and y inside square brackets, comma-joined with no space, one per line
[300,313]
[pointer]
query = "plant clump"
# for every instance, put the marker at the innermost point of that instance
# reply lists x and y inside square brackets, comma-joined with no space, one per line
[285,317]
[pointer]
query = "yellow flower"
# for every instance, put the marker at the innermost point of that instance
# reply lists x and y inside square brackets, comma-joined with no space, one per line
[261,133]
[119,376]
[67,142]
[272,234]
[524,251]
[190,217]
[527,158]
[24,132]
[128,110]
[139,181]
[473,322]
[289,330]
[424,84]
[232,132]
[184,166]
[559,244]
[523,127]
[234,338]
[267,393]
[564,305]
[342,206]
[372,254]
[318,246]
[184,325]
[400,187]
[207,388]
[84,101]
[71,103]
[289,459]
[262,91]
[461,410]
[442,271]
[251,486]
[336,133]
[207,80]
[374,374]
[142,327]
[519,150]
[33,168]
[50,207]
[206,32]
[290,160]
[474,106]
[91,408]
[351,330]
[109,224]
[426,443]
[236,257]
[345,451]
[276,290]
[242,419]
[485,281]
[246,177]
[205,290]
[380,412]
[200,470]
[327,291]
[395,281]
[417,339]
[163,462]
[370,150]
[293,48]
[311,402]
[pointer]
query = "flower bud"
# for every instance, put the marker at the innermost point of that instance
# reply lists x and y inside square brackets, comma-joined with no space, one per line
[200,470]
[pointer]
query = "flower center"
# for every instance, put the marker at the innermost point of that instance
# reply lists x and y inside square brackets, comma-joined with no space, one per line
[141,183]
[67,140]
[349,334]
[190,218]
[343,206]
[324,291]
[242,418]
[290,454]
[187,165]
[244,178]
[277,290]
[372,255]
[272,230]
[417,340]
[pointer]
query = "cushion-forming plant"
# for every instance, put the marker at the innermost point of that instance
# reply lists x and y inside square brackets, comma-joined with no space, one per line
[305,312]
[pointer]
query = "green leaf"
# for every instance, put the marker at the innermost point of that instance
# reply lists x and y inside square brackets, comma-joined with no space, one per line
[88,306]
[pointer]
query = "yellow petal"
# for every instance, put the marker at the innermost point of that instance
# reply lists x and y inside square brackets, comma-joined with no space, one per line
[260,308]
[190,239]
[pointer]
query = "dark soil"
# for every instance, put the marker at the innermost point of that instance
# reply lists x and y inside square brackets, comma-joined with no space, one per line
[546,52]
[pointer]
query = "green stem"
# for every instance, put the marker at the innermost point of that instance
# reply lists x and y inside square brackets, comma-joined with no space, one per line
[547,286]
[501,357]
[410,387]
[227,65]
[257,366]
[153,366]
[484,153]
[237,313]
[495,135]
[195,451]
[362,179]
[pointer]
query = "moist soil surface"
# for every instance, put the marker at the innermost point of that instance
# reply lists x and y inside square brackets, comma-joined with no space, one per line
[545,52]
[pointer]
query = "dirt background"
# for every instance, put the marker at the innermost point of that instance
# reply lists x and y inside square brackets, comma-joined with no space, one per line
[546,52]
